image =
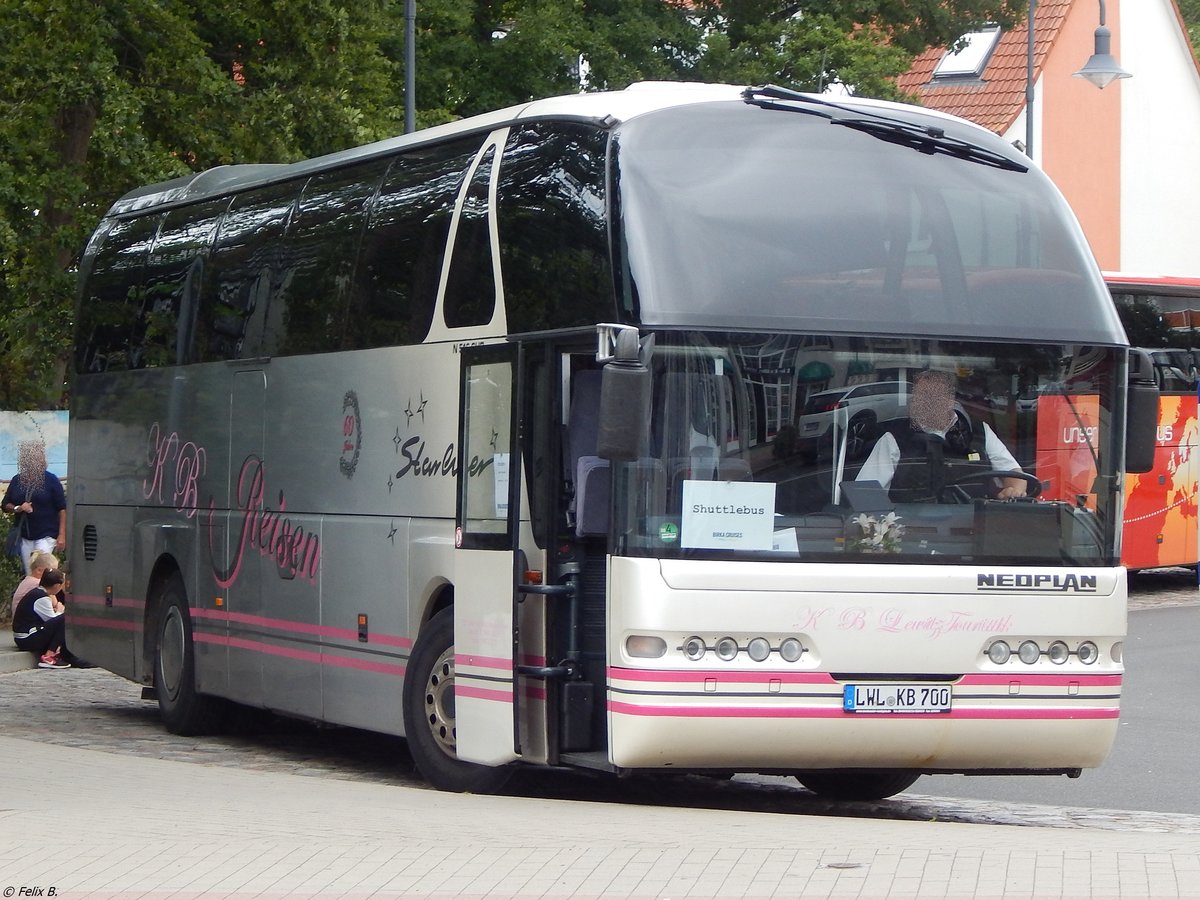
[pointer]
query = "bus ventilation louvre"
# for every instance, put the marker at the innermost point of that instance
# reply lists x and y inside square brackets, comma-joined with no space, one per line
[91,542]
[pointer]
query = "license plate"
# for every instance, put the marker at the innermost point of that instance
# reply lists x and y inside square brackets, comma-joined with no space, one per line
[896,698]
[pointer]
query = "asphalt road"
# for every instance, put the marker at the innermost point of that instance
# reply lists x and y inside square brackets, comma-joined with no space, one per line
[1153,764]
[1147,785]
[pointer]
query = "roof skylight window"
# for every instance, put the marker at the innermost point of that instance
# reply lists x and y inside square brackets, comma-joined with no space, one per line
[972,59]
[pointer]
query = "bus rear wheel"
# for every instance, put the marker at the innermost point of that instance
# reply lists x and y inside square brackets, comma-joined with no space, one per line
[429,715]
[182,708]
[857,785]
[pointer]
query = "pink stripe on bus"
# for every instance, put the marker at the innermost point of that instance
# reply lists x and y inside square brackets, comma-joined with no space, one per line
[114,624]
[675,676]
[830,712]
[462,690]
[346,634]
[483,662]
[309,656]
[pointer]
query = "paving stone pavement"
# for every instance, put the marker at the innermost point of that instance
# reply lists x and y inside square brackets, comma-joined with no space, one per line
[108,804]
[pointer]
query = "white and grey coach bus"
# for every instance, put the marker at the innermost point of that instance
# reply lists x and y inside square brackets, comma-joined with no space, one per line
[537,438]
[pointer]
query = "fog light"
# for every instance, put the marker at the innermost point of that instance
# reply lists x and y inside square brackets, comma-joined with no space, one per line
[999,652]
[1088,653]
[759,649]
[1029,652]
[1059,653]
[727,648]
[645,646]
[1117,652]
[693,648]
[790,650]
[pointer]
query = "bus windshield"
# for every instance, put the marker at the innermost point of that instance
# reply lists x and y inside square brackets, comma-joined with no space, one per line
[822,448]
[790,223]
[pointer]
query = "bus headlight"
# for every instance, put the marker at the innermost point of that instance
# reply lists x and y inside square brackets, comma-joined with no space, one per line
[1059,653]
[759,649]
[999,652]
[1117,652]
[1029,652]
[790,650]
[727,649]
[1088,653]
[693,648]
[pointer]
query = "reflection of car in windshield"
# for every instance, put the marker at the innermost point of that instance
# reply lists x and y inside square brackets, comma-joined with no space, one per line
[866,406]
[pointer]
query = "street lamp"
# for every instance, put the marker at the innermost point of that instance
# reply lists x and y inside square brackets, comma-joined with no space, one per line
[410,65]
[1102,69]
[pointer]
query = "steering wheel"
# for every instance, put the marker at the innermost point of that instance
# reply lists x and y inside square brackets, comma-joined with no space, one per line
[954,489]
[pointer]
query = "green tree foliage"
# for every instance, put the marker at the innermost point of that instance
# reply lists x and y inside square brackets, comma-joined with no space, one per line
[1190,9]
[99,97]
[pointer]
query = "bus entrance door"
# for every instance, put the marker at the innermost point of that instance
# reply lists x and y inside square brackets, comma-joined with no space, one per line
[487,520]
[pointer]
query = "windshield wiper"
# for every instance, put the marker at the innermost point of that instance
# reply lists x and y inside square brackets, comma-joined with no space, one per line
[923,138]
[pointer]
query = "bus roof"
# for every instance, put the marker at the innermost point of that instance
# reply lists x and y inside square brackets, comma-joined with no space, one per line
[608,108]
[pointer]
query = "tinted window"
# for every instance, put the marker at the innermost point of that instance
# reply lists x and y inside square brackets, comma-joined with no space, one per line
[311,301]
[245,270]
[174,276]
[115,307]
[470,297]
[401,259]
[553,228]
[785,221]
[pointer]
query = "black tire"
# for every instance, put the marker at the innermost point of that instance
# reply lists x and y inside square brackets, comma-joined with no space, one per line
[857,785]
[182,708]
[429,716]
[859,434]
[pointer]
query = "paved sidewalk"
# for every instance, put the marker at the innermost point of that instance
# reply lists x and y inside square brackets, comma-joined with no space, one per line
[12,659]
[117,826]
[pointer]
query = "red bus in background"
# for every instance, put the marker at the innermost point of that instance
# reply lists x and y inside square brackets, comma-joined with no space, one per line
[1160,505]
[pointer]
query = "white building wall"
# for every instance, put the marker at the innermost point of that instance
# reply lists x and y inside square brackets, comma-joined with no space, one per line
[1160,156]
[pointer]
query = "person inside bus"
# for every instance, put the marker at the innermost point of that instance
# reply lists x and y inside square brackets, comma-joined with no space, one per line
[39,562]
[937,447]
[36,496]
[38,624]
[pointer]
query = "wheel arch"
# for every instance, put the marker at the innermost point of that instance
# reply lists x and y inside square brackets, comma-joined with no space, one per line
[165,567]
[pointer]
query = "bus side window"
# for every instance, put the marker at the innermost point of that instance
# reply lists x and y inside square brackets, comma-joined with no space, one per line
[114,303]
[244,269]
[400,262]
[174,278]
[470,297]
[550,213]
[311,297]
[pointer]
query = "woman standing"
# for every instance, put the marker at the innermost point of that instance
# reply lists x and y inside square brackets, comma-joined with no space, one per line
[37,497]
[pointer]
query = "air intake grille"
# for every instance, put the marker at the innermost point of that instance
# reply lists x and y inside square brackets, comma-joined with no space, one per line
[91,542]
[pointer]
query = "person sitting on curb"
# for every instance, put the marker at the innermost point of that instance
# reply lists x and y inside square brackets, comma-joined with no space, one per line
[39,626]
[39,562]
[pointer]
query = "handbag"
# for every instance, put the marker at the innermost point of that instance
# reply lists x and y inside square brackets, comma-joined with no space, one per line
[12,543]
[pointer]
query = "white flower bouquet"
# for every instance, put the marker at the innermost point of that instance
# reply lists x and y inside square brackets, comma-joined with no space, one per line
[880,534]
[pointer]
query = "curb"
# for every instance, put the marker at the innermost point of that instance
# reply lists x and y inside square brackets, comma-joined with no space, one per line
[14,660]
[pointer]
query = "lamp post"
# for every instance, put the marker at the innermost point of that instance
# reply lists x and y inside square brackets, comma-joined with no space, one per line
[1102,68]
[410,64]
[1029,84]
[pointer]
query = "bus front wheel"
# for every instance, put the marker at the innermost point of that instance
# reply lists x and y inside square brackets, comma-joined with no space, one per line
[429,715]
[848,785]
[183,709]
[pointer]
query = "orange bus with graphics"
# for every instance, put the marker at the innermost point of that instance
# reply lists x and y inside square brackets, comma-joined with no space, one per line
[1160,505]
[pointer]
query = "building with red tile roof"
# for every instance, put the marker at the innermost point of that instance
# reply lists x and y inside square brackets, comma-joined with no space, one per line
[1127,157]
